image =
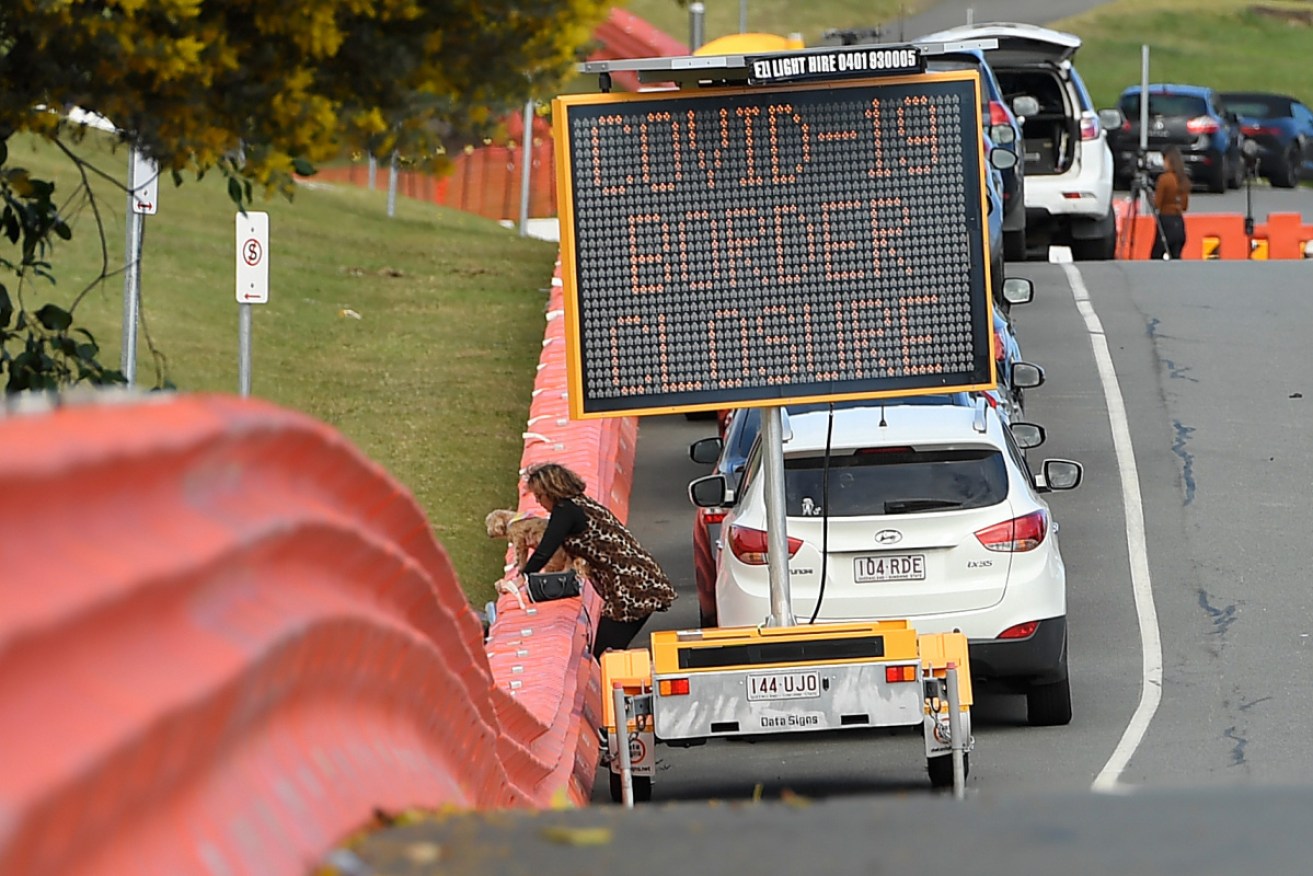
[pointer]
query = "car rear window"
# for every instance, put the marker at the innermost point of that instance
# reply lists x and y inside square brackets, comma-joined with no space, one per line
[1186,106]
[1259,107]
[896,481]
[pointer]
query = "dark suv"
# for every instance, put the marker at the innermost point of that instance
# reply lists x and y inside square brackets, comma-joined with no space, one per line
[1003,129]
[1190,117]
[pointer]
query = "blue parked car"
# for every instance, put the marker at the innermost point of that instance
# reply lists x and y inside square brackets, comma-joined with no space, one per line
[1192,118]
[1282,128]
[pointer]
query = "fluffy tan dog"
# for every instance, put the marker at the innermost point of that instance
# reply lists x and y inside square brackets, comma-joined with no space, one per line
[525,533]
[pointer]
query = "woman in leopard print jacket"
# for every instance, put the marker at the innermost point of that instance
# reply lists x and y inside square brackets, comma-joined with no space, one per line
[627,577]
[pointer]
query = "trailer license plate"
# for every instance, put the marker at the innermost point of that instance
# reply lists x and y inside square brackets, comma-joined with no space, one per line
[784,686]
[905,567]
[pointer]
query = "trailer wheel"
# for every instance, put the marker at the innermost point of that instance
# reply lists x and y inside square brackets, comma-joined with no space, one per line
[643,788]
[941,769]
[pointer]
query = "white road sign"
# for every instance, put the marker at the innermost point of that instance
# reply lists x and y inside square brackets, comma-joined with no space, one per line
[145,184]
[253,258]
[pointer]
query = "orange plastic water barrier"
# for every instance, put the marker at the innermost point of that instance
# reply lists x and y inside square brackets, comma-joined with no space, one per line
[1217,236]
[535,651]
[225,638]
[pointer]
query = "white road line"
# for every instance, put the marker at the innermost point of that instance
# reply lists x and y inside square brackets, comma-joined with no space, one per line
[1133,507]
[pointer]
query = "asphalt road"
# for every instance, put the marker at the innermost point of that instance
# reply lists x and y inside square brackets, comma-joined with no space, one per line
[1190,636]
[1211,363]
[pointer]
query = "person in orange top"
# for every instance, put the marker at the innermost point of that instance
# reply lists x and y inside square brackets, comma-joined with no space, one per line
[1171,198]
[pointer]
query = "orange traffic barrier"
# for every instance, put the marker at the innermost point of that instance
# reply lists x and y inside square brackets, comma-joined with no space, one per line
[226,638]
[1217,236]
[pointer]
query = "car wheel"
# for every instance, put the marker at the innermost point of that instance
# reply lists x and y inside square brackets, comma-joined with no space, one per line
[1049,705]
[1014,245]
[1286,174]
[1237,177]
[642,788]
[1095,248]
[1217,180]
[941,769]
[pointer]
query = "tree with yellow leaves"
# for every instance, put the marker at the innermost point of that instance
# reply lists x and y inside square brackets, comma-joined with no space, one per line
[257,90]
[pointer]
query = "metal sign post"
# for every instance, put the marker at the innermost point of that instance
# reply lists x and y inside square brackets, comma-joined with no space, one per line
[143,199]
[392,186]
[252,286]
[777,522]
[696,28]
[1144,102]
[525,169]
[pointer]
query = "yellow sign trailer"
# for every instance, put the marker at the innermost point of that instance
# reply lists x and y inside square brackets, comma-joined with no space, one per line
[695,685]
[787,226]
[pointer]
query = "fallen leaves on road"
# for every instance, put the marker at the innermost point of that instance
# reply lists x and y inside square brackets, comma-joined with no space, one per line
[578,836]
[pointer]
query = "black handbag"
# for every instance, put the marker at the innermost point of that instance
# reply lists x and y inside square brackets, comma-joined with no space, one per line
[546,586]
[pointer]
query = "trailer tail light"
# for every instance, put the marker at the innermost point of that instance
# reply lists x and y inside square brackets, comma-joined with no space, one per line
[749,545]
[673,687]
[1020,631]
[998,114]
[1202,125]
[1018,535]
[896,674]
[712,516]
[1089,126]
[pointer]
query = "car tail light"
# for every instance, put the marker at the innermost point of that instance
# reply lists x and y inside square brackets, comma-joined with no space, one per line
[998,114]
[1020,534]
[1126,125]
[1020,631]
[1000,353]
[749,545]
[1252,129]
[1202,125]
[673,687]
[895,674]
[1089,126]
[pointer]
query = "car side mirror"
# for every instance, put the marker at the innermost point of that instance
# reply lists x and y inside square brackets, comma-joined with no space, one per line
[1028,435]
[1002,159]
[1002,135]
[709,491]
[1025,106]
[706,451]
[1018,290]
[1026,375]
[1061,474]
[1111,119]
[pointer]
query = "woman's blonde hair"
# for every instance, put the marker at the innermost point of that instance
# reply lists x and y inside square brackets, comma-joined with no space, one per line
[554,481]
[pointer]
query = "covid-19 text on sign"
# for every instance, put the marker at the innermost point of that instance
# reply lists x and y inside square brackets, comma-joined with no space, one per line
[765,246]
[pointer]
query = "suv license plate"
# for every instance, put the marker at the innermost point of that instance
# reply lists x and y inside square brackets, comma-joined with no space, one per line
[903,567]
[784,686]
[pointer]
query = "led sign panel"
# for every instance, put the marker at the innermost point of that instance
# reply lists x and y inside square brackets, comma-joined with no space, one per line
[760,246]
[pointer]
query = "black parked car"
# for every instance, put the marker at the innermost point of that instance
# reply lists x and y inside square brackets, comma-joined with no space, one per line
[1282,127]
[1190,117]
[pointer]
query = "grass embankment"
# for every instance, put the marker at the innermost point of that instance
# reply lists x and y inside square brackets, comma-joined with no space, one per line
[432,381]
[1227,44]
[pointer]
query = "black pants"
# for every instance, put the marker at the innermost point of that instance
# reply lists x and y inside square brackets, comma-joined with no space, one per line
[1173,227]
[615,634]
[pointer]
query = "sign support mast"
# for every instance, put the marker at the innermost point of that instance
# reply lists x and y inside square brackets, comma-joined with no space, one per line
[777,535]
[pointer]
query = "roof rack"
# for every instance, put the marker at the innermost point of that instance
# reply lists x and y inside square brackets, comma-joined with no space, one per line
[736,69]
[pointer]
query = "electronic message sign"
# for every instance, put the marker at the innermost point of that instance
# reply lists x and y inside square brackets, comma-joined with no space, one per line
[725,247]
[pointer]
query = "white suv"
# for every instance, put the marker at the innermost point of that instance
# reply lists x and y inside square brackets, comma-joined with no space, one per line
[1069,167]
[932,515]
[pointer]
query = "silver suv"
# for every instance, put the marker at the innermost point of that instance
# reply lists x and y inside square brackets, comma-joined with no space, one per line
[1069,167]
